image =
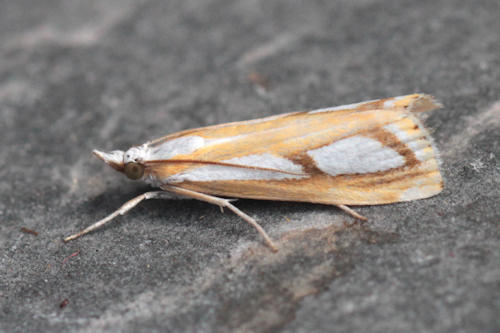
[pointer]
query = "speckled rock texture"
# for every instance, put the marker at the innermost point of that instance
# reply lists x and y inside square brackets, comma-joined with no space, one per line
[78,75]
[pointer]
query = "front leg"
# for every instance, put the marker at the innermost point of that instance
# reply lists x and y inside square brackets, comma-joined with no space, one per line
[122,210]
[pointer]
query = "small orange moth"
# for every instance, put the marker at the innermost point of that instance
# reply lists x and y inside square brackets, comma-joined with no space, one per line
[368,153]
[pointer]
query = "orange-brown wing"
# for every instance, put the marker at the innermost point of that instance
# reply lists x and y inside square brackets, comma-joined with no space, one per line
[372,152]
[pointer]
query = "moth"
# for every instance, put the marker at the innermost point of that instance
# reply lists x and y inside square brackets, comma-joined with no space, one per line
[369,153]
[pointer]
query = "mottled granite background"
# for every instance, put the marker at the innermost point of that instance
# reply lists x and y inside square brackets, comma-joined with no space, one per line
[77,75]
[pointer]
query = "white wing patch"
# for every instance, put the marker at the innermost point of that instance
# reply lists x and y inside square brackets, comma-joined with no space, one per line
[267,160]
[179,146]
[353,155]
[222,172]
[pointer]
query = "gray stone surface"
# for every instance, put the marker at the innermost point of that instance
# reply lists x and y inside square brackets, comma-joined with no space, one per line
[77,75]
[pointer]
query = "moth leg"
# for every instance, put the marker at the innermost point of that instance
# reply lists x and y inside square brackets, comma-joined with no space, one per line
[222,203]
[120,211]
[352,212]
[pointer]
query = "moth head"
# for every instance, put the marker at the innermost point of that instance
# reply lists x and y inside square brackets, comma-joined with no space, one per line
[129,162]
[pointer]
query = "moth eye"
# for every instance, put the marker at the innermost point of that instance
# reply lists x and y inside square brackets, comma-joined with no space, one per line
[134,170]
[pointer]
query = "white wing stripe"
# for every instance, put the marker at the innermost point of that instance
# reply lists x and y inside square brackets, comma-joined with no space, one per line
[223,172]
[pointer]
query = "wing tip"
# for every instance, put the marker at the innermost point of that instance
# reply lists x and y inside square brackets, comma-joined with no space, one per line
[423,102]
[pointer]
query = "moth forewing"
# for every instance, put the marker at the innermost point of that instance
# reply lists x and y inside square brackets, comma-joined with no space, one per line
[373,152]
